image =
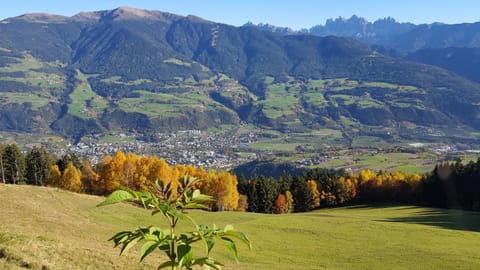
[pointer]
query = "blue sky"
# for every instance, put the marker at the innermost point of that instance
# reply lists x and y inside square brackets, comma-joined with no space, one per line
[293,13]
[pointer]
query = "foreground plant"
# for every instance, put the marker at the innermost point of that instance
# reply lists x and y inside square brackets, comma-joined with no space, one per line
[172,203]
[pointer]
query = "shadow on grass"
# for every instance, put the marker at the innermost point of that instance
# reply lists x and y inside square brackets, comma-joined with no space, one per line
[443,218]
[380,205]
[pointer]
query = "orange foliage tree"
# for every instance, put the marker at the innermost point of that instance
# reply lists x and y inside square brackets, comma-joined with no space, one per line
[139,173]
[70,179]
[280,204]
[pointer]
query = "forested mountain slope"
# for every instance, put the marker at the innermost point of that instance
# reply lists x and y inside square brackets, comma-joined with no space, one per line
[150,71]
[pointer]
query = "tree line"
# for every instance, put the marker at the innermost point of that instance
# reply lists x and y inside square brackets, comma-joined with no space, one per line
[452,185]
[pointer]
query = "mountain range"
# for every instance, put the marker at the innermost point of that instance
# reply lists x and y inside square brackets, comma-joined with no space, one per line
[450,46]
[149,71]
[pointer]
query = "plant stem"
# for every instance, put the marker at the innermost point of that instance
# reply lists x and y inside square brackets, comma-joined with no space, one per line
[173,254]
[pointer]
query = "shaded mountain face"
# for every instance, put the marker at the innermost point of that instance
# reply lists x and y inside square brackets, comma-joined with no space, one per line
[149,71]
[463,61]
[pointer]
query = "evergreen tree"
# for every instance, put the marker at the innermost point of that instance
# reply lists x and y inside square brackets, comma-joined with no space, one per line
[38,164]
[301,195]
[262,194]
[252,194]
[2,167]
[63,162]
[242,186]
[14,164]
[284,182]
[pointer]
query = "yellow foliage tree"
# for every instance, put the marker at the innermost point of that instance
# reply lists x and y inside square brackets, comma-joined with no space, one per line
[90,179]
[55,175]
[106,176]
[71,178]
[140,173]
[314,193]
[289,204]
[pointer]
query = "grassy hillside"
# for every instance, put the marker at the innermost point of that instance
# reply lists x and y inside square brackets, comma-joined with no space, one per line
[53,229]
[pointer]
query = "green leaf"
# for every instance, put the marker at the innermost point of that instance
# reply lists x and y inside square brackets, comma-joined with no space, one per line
[159,183]
[164,208]
[176,213]
[165,247]
[195,206]
[129,244]
[186,180]
[185,255]
[210,243]
[166,264]
[241,236]
[203,198]
[195,193]
[148,248]
[228,227]
[118,196]
[119,238]
[207,262]
[231,246]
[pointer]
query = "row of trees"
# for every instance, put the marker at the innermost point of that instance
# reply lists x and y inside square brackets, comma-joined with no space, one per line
[38,167]
[453,185]
[140,172]
[15,168]
[448,185]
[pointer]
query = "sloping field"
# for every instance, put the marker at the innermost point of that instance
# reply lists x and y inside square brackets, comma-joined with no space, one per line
[44,228]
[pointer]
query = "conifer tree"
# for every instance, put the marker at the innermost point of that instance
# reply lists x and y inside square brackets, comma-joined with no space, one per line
[14,164]
[38,164]
[301,195]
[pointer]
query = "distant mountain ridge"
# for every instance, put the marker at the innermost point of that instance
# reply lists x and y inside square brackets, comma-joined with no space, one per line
[405,37]
[380,31]
[150,71]
[450,46]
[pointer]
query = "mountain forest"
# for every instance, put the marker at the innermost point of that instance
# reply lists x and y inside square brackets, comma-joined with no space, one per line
[146,72]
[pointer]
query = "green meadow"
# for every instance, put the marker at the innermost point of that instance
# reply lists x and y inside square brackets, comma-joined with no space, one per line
[45,228]
[85,103]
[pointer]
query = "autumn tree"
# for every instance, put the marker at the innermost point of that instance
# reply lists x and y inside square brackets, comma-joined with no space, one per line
[242,203]
[111,172]
[70,179]
[90,179]
[54,175]
[280,204]
[314,194]
[289,202]
[226,194]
